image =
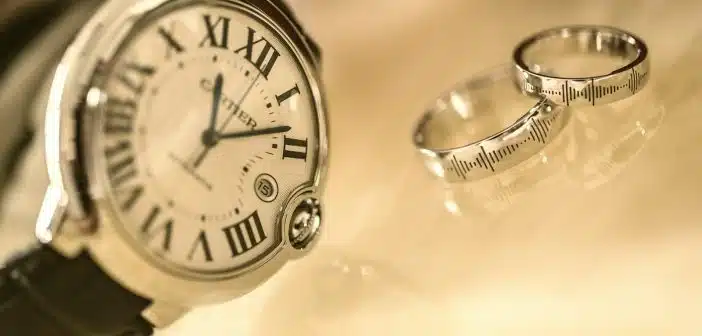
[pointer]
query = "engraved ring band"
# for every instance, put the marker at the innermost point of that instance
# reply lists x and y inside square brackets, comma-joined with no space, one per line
[474,104]
[560,42]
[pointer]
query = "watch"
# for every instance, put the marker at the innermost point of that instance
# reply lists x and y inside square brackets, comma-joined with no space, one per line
[186,148]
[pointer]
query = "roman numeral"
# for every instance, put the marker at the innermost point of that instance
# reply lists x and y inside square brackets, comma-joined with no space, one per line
[119,116]
[287,95]
[166,229]
[121,163]
[171,42]
[265,59]
[129,196]
[294,148]
[121,168]
[245,235]
[201,243]
[217,32]
[134,76]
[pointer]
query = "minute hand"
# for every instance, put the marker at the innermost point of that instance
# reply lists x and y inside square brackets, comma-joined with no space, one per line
[266,131]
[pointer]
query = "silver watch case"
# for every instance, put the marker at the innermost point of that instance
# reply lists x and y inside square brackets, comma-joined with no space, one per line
[74,218]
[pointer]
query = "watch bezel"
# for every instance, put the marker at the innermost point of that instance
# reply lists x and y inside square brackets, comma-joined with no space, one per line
[99,40]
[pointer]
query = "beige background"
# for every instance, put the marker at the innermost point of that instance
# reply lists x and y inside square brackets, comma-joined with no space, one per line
[603,238]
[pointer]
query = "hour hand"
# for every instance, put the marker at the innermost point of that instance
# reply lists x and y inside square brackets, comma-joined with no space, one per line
[246,134]
[216,99]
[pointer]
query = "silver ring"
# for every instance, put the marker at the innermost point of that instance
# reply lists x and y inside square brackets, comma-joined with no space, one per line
[619,84]
[461,108]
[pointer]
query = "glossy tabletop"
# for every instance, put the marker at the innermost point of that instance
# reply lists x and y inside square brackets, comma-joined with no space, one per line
[597,235]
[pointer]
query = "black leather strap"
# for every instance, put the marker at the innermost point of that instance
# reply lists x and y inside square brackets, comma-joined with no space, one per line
[43,293]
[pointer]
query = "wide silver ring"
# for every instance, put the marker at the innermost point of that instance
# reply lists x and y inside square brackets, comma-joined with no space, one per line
[531,54]
[454,111]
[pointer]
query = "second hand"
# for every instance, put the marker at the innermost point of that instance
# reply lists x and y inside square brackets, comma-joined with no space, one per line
[238,106]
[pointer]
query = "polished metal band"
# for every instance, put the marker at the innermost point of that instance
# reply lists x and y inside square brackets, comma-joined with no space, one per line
[493,154]
[606,88]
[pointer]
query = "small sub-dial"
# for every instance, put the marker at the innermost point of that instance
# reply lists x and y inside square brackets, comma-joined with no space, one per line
[196,145]
[266,188]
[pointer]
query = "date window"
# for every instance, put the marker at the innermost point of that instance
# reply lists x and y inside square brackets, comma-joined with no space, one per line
[266,188]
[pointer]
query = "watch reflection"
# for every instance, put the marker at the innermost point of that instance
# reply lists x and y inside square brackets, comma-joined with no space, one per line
[605,143]
[348,295]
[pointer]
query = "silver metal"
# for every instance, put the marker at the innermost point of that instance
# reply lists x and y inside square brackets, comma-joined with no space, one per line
[479,158]
[68,205]
[531,56]
[306,224]
[162,313]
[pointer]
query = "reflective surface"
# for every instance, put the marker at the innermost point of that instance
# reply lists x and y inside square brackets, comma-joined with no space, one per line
[605,242]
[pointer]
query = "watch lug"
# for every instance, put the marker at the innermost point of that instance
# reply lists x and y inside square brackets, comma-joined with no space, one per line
[162,314]
[55,227]
[69,247]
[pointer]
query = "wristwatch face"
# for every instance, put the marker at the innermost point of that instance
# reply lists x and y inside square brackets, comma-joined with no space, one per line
[208,124]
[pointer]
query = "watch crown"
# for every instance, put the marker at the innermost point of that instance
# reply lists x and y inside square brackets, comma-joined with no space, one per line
[305,224]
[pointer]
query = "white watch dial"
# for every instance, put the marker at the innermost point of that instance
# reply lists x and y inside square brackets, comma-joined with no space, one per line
[210,124]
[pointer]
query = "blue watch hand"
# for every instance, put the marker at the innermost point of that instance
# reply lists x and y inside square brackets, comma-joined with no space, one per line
[246,134]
